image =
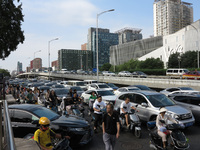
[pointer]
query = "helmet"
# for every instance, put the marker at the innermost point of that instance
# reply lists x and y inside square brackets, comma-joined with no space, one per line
[44,121]
[163,110]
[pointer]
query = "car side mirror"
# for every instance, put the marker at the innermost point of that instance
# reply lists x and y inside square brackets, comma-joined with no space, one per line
[144,105]
[36,122]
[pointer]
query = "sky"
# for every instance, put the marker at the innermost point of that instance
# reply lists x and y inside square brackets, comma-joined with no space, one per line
[69,21]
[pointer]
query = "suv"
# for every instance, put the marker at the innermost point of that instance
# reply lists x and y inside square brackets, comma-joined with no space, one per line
[149,103]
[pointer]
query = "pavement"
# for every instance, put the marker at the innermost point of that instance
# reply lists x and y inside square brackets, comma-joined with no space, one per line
[24,144]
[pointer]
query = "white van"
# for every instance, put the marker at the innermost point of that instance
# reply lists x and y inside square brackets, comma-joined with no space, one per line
[176,72]
[77,83]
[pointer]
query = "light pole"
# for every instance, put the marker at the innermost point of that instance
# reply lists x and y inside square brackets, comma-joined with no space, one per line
[97,46]
[197,43]
[49,54]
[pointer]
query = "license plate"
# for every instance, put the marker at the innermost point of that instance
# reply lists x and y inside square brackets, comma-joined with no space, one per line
[188,124]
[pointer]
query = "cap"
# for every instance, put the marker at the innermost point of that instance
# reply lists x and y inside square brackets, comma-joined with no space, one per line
[163,110]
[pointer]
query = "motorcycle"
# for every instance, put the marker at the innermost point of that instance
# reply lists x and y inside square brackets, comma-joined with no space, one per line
[178,138]
[68,107]
[135,124]
[60,145]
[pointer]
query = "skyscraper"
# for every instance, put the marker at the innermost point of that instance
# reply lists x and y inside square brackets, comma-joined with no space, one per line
[19,67]
[171,16]
[105,40]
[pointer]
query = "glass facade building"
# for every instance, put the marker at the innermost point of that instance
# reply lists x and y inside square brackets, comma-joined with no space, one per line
[75,59]
[105,40]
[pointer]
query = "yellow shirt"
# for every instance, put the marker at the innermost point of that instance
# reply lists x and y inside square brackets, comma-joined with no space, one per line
[44,137]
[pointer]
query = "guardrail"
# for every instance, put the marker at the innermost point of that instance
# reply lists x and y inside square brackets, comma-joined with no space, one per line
[6,132]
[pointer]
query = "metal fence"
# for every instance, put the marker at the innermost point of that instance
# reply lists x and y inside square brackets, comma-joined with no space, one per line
[6,133]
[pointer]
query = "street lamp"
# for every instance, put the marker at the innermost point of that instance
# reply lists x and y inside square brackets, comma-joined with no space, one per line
[97,46]
[49,53]
[197,44]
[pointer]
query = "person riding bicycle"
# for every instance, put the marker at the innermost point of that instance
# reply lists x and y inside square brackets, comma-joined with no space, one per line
[98,106]
[125,108]
[92,99]
[44,135]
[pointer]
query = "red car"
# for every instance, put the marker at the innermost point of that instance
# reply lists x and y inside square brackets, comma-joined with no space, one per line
[192,75]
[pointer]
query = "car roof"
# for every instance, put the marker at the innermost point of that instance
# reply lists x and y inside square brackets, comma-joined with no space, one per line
[142,92]
[27,107]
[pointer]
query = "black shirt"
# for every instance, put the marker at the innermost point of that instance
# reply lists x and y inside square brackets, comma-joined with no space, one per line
[110,123]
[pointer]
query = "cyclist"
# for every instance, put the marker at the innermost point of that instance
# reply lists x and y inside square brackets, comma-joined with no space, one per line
[44,135]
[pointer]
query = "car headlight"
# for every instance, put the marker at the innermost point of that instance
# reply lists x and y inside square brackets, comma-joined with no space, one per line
[177,117]
[76,129]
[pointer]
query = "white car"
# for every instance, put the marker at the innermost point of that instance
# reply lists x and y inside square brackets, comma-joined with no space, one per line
[186,90]
[108,73]
[102,86]
[124,74]
[126,89]
[65,83]
[107,95]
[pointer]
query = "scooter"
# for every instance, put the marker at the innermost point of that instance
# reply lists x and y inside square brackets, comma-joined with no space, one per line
[178,138]
[135,124]
[61,145]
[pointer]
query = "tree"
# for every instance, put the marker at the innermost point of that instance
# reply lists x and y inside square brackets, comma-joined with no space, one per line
[189,59]
[105,67]
[151,63]
[5,72]
[11,34]
[174,60]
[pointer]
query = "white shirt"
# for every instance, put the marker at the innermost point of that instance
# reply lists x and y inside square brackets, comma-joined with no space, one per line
[98,106]
[166,118]
[126,107]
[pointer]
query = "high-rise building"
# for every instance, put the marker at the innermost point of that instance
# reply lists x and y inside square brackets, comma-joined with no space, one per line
[105,40]
[129,34]
[36,64]
[75,59]
[171,16]
[84,46]
[19,67]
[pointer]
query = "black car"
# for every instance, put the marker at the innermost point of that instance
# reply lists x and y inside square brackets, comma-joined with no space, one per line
[25,117]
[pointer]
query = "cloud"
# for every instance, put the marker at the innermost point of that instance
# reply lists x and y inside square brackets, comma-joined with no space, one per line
[63,12]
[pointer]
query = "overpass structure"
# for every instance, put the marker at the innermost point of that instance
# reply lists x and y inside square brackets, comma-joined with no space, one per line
[154,82]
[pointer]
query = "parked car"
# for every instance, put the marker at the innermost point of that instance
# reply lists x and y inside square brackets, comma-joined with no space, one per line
[64,83]
[108,73]
[107,95]
[149,104]
[191,75]
[169,91]
[25,117]
[126,89]
[139,74]
[142,87]
[124,74]
[94,86]
[190,102]
[113,86]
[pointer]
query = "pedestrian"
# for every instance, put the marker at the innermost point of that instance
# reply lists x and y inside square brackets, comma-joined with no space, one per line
[111,127]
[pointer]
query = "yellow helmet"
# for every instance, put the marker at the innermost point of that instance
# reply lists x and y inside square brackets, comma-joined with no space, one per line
[44,121]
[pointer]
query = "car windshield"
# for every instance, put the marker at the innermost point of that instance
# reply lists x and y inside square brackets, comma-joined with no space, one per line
[77,88]
[103,86]
[44,112]
[142,87]
[44,87]
[105,93]
[160,100]
[111,85]
[61,92]
[80,83]
[186,88]
[59,86]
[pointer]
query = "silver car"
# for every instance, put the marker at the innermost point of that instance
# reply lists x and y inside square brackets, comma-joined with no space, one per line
[149,103]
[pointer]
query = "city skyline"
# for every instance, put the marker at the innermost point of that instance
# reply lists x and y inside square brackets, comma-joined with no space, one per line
[70,20]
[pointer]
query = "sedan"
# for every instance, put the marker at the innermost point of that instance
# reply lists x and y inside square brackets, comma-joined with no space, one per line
[107,95]
[192,75]
[25,118]
[58,86]
[177,90]
[124,74]
[139,74]
[142,87]
[113,86]
[125,89]
[108,73]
